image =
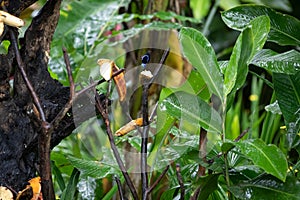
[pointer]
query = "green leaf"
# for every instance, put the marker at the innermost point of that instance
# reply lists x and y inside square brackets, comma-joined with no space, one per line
[267,187]
[208,184]
[71,188]
[193,85]
[92,168]
[200,53]
[184,106]
[80,24]
[268,157]
[168,194]
[287,62]
[227,146]
[284,28]
[250,41]
[58,176]
[163,126]
[287,92]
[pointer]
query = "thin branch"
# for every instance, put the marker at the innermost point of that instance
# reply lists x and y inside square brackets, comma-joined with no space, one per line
[73,95]
[145,134]
[158,180]
[114,147]
[242,134]
[69,71]
[21,67]
[180,181]
[146,81]
[97,83]
[119,188]
[161,62]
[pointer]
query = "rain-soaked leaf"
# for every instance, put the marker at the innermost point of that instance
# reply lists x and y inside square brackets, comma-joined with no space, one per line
[184,106]
[267,187]
[287,92]
[268,157]
[250,41]
[284,28]
[287,62]
[201,55]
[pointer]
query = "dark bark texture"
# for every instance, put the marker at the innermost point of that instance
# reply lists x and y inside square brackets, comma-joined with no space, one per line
[19,125]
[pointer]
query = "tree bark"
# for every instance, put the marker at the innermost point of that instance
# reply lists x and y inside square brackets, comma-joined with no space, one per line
[19,124]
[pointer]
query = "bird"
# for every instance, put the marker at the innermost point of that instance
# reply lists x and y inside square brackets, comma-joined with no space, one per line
[145,59]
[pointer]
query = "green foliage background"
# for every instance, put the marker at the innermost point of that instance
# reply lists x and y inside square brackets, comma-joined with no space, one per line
[246,56]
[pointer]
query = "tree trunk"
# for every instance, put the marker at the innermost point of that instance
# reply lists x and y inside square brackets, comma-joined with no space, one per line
[19,121]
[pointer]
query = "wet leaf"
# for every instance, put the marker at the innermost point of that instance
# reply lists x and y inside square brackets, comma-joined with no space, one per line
[284,28]
[91,168]
[201,55]
[163,126]
[287,62]
[250,41]
[184,106]
[267,187]
[287,91]
[268,157]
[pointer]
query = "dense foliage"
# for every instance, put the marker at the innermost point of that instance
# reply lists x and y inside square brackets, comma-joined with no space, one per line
[242,95]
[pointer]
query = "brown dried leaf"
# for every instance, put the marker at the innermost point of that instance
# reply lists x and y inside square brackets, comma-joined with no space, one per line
[130,126]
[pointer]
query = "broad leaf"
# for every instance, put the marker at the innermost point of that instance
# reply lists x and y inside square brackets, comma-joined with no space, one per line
[287,62]
[184,106]
[267,187]
[287,92]
[80,24]
[284,28]
[201,55]
[250,41]
[268,157]
[163,126]
[92,168]
[193,85]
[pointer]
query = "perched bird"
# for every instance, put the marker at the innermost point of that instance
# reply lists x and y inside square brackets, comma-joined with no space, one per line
[145,59]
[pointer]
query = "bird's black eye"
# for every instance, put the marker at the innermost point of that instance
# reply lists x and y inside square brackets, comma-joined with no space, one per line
[145,58]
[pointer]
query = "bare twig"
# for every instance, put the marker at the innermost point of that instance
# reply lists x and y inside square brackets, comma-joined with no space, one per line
[161,62]
[242,134]
[72,97]
[21,67]
[119,188]
[158,180]
[69,71]
[114,147]
[180,181]
[145,133]
[97,83]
